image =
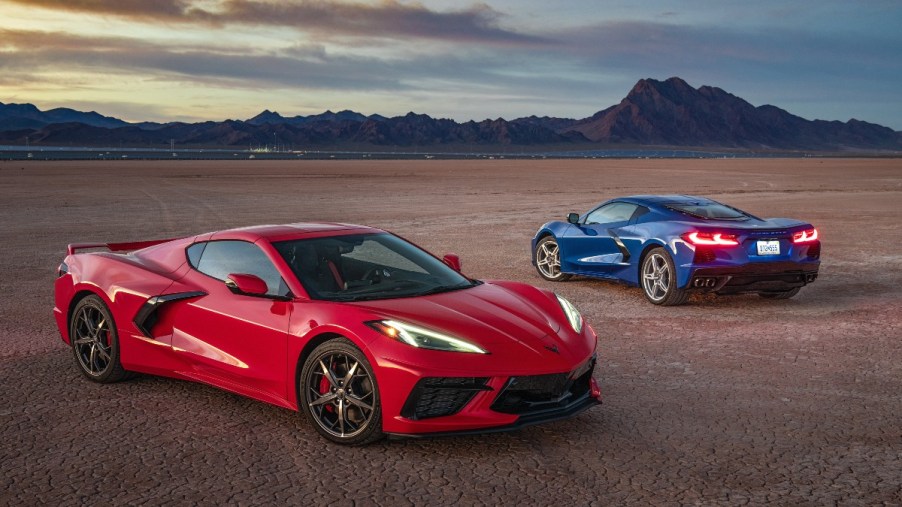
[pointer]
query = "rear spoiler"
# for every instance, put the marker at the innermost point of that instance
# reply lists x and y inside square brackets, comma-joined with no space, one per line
[117,247]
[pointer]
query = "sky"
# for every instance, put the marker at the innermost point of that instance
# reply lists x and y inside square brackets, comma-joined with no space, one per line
[191,60]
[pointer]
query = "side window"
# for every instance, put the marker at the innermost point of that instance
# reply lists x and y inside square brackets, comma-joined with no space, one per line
[219,259]
[614,212]
[194,252]
[640,211]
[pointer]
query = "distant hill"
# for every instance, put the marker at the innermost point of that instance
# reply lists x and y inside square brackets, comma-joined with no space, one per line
[272,118]
[654,113]
[27,116]
[674,113]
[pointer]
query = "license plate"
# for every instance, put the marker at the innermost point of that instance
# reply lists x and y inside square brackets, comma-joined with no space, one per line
[769,247]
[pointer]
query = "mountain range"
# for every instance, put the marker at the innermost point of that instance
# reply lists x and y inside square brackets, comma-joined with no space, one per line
[658,113]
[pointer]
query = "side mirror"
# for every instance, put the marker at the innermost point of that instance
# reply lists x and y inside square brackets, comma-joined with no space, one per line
[250,285]
[573,218]
[453,261]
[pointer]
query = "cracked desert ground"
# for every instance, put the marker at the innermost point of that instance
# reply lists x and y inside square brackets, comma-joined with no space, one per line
[728,400]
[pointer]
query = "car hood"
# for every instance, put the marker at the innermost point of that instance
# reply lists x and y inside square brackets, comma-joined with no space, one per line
[518,324]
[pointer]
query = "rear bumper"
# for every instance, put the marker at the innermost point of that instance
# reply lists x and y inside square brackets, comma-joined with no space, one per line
[753,277]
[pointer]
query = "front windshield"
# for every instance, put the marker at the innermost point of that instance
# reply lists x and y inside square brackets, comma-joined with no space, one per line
[367,266]
[710,210]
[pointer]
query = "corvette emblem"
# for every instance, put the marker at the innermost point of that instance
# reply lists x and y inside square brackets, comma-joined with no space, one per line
[553,348]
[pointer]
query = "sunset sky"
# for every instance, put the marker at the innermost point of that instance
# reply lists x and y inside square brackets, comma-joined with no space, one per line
[215,59]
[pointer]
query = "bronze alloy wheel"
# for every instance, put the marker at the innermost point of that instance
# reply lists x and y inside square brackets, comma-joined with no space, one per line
[95,341]
[340,394]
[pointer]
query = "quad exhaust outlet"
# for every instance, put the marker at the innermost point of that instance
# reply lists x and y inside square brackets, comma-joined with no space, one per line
[704,282]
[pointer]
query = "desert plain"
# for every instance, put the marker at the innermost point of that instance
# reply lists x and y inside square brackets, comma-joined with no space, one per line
[727,400]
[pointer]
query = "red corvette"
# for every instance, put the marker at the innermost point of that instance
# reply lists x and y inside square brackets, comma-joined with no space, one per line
[363,332]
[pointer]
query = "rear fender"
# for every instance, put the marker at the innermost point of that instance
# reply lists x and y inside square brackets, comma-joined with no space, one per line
[123,286]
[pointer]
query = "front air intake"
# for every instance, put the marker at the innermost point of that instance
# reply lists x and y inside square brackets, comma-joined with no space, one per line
[441,396]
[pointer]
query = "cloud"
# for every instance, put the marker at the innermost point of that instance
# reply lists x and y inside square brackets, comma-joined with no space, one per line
[299,66]
[390,19]
[56,52]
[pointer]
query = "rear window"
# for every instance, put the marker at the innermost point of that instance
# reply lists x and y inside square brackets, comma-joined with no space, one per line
[709,210]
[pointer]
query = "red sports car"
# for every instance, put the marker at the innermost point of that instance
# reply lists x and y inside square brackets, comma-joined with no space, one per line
[362,331]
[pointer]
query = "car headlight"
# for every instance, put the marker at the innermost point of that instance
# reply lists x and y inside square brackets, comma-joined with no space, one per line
[573,315]
[423,338]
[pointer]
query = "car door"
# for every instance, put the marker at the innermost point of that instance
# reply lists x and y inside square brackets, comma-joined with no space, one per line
[592,246]
[236,341]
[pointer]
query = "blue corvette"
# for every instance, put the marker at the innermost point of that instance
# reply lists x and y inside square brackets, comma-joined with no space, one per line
[671,245]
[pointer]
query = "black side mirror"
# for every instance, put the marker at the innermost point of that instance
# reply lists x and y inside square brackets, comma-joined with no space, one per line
[573,218]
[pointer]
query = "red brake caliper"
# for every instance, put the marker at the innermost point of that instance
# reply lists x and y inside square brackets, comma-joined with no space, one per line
[324,389]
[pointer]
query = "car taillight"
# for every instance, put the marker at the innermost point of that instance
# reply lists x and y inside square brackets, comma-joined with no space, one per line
[711,238]
[805,236]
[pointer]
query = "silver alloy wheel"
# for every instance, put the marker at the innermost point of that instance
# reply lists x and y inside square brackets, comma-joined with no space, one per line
[656,277]
[548,259]
[340,394]
[92,340]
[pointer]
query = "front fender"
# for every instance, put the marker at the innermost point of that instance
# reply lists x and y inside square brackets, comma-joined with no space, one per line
[555,228]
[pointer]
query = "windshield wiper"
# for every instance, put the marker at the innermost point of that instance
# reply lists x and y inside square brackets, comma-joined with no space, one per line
[357,297]
[443,288]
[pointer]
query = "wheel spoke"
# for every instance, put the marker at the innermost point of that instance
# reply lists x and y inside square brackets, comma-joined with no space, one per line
[322,400]
[99,326]
[357,402]
[346,381]
[89,320]
[104,354]
[342,413]
[328,374]
[92,356]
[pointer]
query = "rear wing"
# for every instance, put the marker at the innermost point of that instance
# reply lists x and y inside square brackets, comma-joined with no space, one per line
[117,247]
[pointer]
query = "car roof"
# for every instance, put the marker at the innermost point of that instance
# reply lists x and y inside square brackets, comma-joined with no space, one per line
[660,199]
[283,232]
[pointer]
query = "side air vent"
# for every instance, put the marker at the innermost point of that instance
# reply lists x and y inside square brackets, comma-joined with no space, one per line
[147,314]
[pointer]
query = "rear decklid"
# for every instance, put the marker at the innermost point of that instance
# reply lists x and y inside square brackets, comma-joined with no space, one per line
[159,255]
[762,240]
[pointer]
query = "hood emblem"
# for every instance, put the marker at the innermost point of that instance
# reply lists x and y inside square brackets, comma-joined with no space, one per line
[553,348]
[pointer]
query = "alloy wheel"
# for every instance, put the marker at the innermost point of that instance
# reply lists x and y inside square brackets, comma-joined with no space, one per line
[548,259]
[340,394]
[656,277]
[92,340]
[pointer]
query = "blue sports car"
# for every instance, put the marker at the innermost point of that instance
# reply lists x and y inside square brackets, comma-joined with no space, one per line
[671,245]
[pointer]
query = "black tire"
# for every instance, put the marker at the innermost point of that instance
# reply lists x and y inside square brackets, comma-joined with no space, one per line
[547,259]
[657,277]
[344,406]
[786,294]
[95,341]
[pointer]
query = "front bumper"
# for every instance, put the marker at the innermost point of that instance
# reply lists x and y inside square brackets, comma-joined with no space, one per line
[574,408]
[753,277]
[438,405]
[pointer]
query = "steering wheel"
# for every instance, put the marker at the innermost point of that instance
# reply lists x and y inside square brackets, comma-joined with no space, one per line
[374,275]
